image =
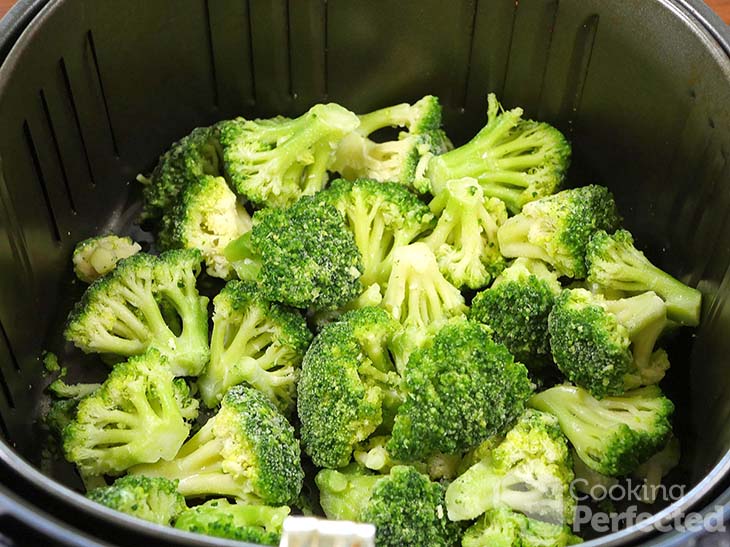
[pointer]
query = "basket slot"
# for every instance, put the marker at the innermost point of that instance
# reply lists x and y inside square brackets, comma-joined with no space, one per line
[307,30]
[9,368]
[100,80]
[32,150]
[57,150]
[21,275]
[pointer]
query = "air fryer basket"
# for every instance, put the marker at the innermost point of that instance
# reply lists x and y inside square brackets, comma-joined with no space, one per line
[93,91]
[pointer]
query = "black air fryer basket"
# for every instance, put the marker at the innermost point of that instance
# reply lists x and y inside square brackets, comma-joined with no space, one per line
[93,91]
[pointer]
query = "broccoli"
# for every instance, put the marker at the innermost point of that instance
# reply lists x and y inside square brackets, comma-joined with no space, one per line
[138,415]
[302,256]
[248,447]
[403,160]
[653,470]
[62,390]
[59,415]
[556,229]
[504,528]
[208,217]
[607,346]
[122,313]
[154,499]
[406,508]
[612,435]
[348,386]
[515,160]
[614,262]
[256,342]
[530,471]
[97,256]
[273,162]
[465,237]
[383,216]
[586,479]
[459,390]
[373,454]
[258,524]
[194,156]
[516,307]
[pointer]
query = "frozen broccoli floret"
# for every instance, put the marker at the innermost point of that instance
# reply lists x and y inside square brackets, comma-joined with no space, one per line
[465,237]
[207,216]
[255,342]
[556,229]
[515,160]
[653,470]
[373,454]
[97,256]
[613,435]
[275,161]
[614,262]
[259,524]
[138,415]
[59,388]
[154,499]
[607,346]
[589,481]
[122,313]
[516,308]
[303,256]
[248,447]
[349,387]
[505,528]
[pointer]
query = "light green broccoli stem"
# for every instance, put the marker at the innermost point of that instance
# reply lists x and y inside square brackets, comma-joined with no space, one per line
[374,239]
[656,468]
[514,239]
[245,260]
[477,490]
[399,115]
[343,495]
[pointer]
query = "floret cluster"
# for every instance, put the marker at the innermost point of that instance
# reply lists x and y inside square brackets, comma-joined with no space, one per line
[431,339]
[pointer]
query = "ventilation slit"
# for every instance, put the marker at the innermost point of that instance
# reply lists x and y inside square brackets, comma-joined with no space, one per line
[289,74]
[326,49]
[57,148]
[211,52]
[42,181]
[15,233]
[548,46]
[509,48]
[579,64]
[470,53]
[14,360]
[77,120]
[250,51]
[4,429]
[90,39]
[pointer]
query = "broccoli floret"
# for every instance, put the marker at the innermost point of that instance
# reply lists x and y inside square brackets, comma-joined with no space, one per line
[62,390]
[258,524]
[192,157]
[59,415]
[515,160]
[348,387]
[465,237]
[614,262]
[248,447]
[530,471]
[556,229]
[383,216]
[255,342]
[207,216]
[97,256]
[343,493]
[587,479]
[273,162]
[504,528]
[653,470]
[459,390]
[607,346]
[303,256]
[138,415]
[403,160]
[122,313]
[612,435]
[154,499]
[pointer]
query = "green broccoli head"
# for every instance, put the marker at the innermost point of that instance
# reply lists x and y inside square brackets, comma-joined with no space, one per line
[303,256]
[613,435]
[614,262]
[208,217]
[343,493]
[459,390]
[557,228]
[348,387]
[256,342]
[194,156]
[248,447]
[505,528]
[653,470]
[138,415]
[259,524]
[273,162]
[516,308]
[530,471]
[383,216]
[122,313]
[465,237]
[97,256]
[154,499]
[515,160]
[607,346]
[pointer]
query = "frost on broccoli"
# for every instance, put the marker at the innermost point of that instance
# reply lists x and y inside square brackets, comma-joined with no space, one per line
[465,237]
[273,162]
[207,216]
[124,312]
[97,256]
[515,160]
[256,342]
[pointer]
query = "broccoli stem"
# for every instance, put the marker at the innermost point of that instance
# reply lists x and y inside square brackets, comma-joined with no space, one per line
[473,492]
[245,260]
[513,239]
[392,116]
